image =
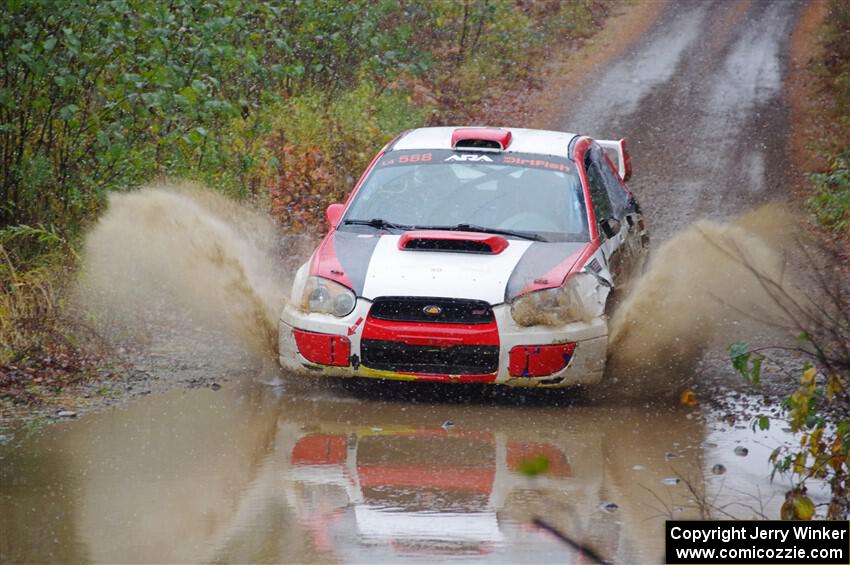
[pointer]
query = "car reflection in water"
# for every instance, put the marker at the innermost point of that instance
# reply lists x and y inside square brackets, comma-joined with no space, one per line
[418,491]
[242,476]
[392,484]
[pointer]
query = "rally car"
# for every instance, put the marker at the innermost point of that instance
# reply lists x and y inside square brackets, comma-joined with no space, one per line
[470,254]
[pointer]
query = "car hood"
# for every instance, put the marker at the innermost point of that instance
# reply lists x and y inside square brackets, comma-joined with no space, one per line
[396,272]
[374,266]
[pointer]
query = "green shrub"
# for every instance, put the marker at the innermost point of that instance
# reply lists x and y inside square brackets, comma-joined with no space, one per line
[836,59]
[102,96]
[97,96]
[831,199]
[823,450]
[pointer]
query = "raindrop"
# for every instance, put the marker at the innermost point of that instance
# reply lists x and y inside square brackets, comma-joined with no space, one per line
[671,481]
[742,451]
[718,469]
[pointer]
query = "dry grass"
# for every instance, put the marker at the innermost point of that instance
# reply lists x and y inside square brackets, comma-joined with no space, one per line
[42,349]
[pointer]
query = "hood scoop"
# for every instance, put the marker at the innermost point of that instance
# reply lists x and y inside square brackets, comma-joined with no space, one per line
[452,242]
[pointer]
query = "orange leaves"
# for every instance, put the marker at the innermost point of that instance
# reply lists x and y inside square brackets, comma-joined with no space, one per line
[688,398]
[305,185]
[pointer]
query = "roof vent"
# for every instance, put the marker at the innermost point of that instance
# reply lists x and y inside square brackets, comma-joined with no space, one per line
[481,139]
[452,241]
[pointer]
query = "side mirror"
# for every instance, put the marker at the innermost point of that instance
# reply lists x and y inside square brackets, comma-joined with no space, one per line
[627,161]
[333,214]
[618,149]
[610,226]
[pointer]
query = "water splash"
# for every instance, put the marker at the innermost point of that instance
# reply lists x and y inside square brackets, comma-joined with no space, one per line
[709,285]
[180,251]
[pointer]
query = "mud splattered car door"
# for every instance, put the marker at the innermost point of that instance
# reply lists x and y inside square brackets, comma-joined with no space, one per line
[609,212]
[632,251]
[620,223]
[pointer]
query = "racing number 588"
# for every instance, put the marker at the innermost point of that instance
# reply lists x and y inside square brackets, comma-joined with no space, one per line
[414,158]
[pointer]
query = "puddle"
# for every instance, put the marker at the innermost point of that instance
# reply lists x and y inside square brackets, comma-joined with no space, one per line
[251,473]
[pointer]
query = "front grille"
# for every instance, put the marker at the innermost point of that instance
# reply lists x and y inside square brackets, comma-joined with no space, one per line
[454,360]
[413,309]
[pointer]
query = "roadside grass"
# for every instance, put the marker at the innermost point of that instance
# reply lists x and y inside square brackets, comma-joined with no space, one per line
[32,271]
[830,199]
[42,351]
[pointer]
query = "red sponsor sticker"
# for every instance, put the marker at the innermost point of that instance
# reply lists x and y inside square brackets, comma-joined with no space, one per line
[540,163]
[408,159]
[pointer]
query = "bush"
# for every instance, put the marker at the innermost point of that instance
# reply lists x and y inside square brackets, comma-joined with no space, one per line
[105,96]
[815,308]
[836,59]
[831,199]
[466,51]
[102,96]
[823,451]
[831,189]
[32,269]
[322,144]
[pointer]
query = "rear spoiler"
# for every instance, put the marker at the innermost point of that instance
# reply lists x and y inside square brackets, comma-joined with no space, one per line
[618,148]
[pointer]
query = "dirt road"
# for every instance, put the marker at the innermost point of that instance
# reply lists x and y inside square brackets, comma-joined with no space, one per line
[700,99]
[326,472]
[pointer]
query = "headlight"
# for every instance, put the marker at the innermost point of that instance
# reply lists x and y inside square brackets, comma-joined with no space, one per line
[325,296]
[581,299]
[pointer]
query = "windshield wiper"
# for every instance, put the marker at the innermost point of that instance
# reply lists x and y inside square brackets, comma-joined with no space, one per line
[473,228]
[377,223]
[381,224]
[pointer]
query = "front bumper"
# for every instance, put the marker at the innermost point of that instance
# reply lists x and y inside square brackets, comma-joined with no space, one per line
[585,366]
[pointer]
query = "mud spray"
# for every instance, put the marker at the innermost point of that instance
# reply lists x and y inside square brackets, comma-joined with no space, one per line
[170,254]
[176,256]
[708,286]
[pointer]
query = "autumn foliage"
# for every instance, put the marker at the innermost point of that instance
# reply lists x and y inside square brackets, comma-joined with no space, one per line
[299,193]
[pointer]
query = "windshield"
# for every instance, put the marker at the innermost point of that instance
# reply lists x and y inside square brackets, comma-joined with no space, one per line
[443,189]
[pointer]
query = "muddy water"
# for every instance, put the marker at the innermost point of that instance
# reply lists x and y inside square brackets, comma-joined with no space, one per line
[253,473]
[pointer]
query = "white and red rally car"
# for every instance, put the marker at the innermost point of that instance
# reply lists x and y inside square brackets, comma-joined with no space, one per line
[470,254]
